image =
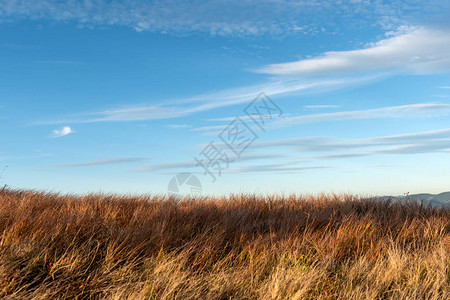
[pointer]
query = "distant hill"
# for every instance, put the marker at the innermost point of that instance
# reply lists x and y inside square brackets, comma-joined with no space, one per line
[442,199]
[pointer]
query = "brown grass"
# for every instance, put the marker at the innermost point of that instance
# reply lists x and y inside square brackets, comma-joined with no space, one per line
[239,247]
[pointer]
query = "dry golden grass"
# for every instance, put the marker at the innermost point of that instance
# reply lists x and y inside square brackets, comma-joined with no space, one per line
[239,247]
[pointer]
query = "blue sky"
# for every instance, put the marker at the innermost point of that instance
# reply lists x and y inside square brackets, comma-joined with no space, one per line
[119,96]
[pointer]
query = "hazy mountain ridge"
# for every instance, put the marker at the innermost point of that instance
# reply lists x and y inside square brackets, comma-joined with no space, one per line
[435,199]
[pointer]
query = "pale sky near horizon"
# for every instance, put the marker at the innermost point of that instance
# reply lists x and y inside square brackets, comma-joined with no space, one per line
[120,96]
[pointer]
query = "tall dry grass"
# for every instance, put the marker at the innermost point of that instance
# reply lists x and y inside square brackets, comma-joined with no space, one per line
[237,247]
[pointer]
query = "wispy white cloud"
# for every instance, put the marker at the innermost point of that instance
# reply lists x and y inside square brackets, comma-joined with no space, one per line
[167,166]
[282,167]
[412,143]
[193,164]
[321,106]
[244,118]
[217,129]
[402,111]
[190,105]
[210,128]
[178,126]
[62,132]
[419,110]
[100,162]
[272,168]
[220,99]
[341,156]
[419,50]
[305,151]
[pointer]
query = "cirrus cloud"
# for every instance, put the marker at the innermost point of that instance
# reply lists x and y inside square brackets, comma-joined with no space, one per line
[221,17]
[414,50]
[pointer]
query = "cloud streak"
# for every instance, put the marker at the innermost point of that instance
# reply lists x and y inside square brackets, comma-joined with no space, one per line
[193,164]
[178,126]
[413,143]
[101,162]
[284,167]
[437,141]
[321,106]
[402,111]
[191,105]
[420,50]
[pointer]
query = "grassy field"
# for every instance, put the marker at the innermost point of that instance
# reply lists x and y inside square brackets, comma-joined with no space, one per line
[236,247]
